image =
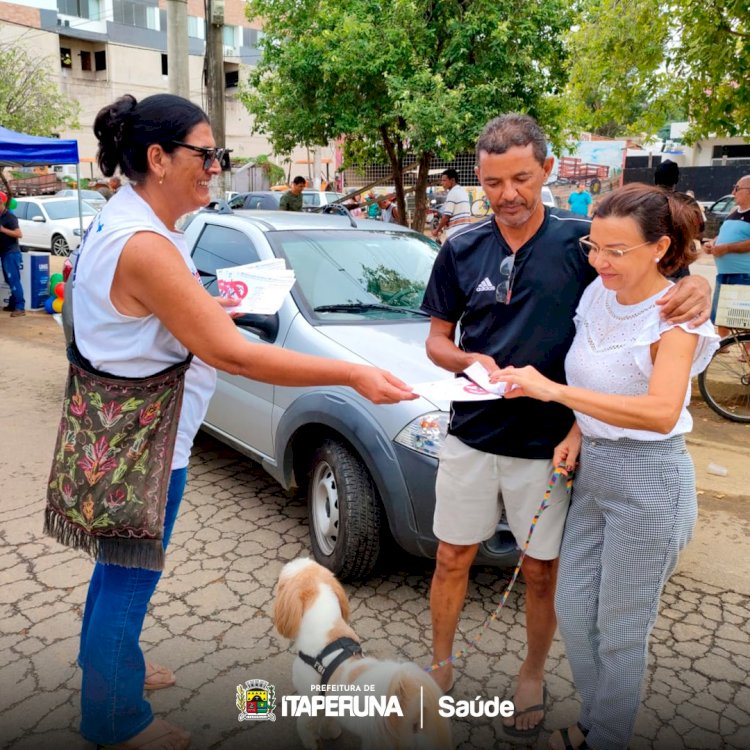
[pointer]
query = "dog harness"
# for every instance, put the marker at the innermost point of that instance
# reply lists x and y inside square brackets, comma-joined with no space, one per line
[348,648]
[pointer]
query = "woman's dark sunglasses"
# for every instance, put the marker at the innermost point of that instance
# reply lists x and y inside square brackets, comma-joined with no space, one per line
[209,154]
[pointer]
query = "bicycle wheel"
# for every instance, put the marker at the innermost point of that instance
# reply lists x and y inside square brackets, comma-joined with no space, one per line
[480,207]
[725,383]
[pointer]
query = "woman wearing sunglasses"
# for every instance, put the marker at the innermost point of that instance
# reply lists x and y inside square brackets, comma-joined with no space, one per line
[634,502]
[139,307]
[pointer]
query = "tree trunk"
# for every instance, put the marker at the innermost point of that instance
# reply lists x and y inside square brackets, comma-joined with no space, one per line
[395,156]
[6,184]
[420,192]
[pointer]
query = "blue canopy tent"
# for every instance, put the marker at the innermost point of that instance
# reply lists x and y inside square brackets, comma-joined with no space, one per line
[22,150]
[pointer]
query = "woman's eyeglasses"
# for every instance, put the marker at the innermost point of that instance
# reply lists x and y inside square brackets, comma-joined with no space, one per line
[591,249]
[210,155]
[504,289]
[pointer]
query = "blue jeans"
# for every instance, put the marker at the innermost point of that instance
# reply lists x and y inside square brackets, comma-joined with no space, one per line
[730,279]
[12,272]
[113,708]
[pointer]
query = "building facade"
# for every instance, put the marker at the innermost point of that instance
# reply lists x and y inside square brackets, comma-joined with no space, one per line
[102,49]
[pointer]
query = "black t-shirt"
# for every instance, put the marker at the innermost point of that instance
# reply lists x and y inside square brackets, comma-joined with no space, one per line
[9,221]
[536,328]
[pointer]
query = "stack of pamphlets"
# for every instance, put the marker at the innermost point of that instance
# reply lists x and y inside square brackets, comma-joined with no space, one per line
[259,288]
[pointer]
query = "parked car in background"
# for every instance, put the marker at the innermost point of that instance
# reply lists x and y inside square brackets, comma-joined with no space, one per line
[312,199]
[92,197]
[267,200]
[367,471]
[548,198]
[716,213]
[52,223]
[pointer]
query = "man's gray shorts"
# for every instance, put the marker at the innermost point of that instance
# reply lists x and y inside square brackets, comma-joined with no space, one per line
[474,486]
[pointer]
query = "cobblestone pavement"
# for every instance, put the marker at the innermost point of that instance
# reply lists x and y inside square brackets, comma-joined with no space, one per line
[210,619]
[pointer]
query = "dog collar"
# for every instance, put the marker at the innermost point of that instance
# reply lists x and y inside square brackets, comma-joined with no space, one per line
[348,647]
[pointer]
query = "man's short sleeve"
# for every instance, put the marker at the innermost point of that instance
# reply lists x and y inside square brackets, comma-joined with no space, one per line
[284,202]
[449,206]
[10,221]
[443,297]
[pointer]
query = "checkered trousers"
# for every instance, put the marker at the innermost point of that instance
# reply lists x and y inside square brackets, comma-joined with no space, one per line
[633,509]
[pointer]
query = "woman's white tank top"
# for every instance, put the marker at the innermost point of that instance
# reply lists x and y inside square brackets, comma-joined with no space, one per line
[122,344]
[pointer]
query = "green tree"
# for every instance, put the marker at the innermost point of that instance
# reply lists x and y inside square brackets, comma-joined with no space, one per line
[407,78]
[30,97]
[636,62]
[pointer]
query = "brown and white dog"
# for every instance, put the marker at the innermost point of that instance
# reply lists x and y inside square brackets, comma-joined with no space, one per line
[311,609]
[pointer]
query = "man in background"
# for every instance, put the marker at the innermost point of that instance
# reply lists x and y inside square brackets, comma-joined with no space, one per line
[10,256]
[731,248]
[292,199]
[456,210]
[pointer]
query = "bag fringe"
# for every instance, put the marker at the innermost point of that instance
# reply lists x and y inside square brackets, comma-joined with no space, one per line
[128,553]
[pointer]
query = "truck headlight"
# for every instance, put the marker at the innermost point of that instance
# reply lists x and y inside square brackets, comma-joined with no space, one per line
[425,434]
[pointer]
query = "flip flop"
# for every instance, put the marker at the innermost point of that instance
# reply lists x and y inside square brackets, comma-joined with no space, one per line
[533,732]
[158,677]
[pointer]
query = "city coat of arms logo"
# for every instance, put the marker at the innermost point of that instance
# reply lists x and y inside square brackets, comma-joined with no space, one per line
[256,700]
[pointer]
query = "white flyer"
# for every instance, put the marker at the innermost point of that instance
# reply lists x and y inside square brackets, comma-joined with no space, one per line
[478,374]
[455,389]
[259,288]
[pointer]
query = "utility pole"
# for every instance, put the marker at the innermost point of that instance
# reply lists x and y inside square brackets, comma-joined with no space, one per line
[177,48]
[214,70]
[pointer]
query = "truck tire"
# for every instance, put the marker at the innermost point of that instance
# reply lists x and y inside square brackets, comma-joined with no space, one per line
[343,511]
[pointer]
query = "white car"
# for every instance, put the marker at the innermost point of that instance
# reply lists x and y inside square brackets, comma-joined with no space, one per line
[92,197]
[547,198]
[52,223]
[312,199]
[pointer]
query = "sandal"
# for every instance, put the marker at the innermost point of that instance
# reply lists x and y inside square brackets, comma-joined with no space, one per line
[158,735]
[565,737]
[532,732]
[158,677]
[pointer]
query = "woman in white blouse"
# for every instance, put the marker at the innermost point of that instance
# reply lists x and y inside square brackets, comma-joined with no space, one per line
[634,501]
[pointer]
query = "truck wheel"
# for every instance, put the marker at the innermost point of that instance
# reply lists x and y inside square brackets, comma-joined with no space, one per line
[60,246]
[596,187]
[344,512]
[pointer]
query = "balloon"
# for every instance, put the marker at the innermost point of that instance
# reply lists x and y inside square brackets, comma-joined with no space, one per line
[13,203]
[54,280]
[57,304]
[60,289]
[48,305]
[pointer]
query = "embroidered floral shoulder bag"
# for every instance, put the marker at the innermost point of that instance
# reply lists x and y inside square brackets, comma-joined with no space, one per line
[110,473]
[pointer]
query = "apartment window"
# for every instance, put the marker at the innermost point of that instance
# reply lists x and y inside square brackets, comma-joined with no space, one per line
[85,60]
[249,37]
[230,35]
[66,59]
[143,14]
[79,8]
[196,27]
[100,60]
[164,65]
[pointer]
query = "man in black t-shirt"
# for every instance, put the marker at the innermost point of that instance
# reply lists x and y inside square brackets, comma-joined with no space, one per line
[513,282]
[10,257]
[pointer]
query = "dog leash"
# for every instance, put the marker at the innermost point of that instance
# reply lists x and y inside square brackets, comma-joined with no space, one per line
[556,474]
